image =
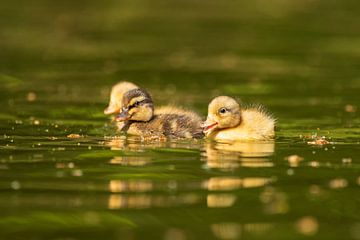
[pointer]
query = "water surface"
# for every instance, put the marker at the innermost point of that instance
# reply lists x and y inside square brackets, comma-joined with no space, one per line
[58,61]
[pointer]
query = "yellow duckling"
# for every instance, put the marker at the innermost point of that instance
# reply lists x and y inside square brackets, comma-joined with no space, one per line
[141,119]
[116,96]
[227,121]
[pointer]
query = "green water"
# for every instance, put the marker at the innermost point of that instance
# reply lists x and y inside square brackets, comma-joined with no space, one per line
[58,60]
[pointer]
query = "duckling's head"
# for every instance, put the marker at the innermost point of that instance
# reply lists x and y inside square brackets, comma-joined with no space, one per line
[138,106]
[223,112]
[116,97]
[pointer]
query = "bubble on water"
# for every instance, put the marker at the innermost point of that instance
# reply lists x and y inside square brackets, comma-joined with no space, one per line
[71,165]
[314,164]
[290,172]
[350,108]
[15,185]
[172,185]
[315,190]
[307,225]
[89,147]
[338,183]
[74,135]
[31,97]
[36,122]
[77,173]
[19,122]
[346,160]
[60,165]
[294,160]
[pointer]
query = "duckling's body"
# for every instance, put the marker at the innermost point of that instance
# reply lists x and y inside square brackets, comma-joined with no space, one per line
[228,122]
[141,119]
[186,125]
[255,125]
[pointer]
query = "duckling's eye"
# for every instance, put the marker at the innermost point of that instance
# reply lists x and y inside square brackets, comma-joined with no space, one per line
[136,103]
[222,110]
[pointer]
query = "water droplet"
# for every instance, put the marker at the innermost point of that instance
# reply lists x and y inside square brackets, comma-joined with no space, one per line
[15,185]
[307,225]
[77,173]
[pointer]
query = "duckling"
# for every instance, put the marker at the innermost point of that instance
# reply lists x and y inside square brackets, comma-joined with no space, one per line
[227,121]
[116,96]
[141,118]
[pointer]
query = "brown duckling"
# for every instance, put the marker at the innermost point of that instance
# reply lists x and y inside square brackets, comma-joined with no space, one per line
[141,119]
[116,96]
[227,121]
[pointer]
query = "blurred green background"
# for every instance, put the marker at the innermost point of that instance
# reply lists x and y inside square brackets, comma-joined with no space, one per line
[58,61]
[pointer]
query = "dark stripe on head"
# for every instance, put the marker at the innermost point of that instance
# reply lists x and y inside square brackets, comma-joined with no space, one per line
[137,93]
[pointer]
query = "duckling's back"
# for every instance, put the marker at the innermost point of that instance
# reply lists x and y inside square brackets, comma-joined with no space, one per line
[258,122]
[170,122]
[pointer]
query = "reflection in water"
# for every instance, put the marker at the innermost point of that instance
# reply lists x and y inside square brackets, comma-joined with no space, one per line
[136,143]
[122,192]
[257,228]
[232,183]
[134,161]
[119,186]
[220,200]
[137,152]
[129,201]
[226,230]
[235,230]
[117,201]
[239,154]
[275,202]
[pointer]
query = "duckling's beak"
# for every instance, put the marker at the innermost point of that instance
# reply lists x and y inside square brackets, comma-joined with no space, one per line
[123,116]
[208,126]
[111,109]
